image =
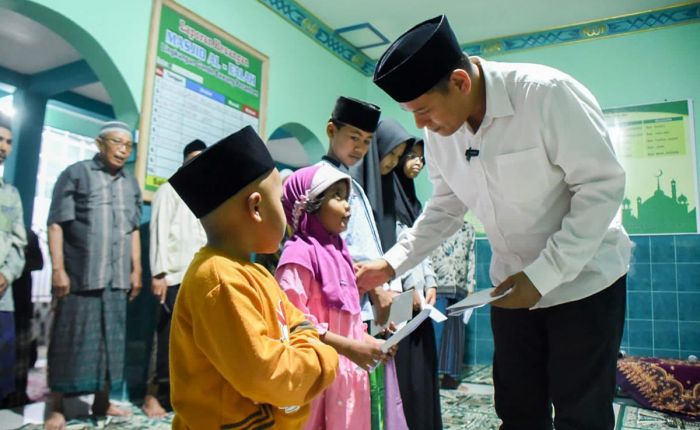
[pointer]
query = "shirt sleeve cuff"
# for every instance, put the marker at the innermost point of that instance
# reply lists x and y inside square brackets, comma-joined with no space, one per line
[542,276]
[394,285]
[395,257]
[59,218]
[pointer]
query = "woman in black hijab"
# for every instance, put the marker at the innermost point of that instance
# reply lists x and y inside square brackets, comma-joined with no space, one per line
[394,210]
[373,173]
[408,207]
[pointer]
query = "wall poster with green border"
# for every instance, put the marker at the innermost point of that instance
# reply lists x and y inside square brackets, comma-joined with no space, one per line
[201,83]
[656,145]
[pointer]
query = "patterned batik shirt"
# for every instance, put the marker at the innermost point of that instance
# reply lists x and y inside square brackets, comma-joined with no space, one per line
[454,263]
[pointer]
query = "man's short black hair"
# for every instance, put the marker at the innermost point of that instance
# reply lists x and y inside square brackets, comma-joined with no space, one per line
[464,64]
[195,145]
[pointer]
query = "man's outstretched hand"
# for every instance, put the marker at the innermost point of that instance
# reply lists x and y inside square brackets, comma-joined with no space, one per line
[373,273]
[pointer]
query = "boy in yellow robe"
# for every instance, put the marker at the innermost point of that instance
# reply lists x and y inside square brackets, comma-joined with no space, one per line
[241,355]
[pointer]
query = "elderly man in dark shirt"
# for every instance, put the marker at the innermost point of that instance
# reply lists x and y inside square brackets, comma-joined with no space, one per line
[96,264]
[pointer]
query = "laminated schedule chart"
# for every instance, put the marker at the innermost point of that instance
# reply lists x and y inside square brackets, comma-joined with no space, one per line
[201,83]
[184,110]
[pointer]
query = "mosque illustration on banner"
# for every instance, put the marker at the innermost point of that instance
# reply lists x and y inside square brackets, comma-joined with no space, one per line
[660,213]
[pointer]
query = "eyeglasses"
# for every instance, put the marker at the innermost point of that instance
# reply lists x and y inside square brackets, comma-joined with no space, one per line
[413,155]
[117,142]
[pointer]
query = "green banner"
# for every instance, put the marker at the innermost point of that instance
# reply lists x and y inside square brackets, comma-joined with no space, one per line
[656,146]
[224,68]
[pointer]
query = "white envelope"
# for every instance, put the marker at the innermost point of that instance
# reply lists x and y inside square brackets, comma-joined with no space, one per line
[476,300]
[407,329]
[435,314]
[401,311]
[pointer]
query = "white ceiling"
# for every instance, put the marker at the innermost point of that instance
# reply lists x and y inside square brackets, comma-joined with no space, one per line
[28,47]
[472,20]
[95,91]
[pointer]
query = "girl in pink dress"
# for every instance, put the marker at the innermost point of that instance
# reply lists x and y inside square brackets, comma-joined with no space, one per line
[315,270]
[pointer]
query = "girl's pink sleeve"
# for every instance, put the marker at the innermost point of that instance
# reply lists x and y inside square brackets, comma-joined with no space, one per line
[296,281]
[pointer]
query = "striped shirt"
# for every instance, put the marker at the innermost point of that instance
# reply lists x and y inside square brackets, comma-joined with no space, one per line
[98,212]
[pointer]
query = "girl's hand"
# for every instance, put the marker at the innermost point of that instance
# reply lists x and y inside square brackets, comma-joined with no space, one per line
[379,342]
[365,354]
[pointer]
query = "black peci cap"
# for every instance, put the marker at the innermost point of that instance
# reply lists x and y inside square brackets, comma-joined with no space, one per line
[222,170]
[357,113]
[418,60]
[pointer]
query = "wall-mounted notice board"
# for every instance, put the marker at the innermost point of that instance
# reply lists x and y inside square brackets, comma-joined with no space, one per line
[201,83]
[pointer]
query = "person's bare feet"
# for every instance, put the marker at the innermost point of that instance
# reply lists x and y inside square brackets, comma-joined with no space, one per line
[152,407]
[55,421]
[115,411]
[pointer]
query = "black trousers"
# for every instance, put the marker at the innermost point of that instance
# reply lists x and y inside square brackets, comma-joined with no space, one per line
[416,370]
[563,356]
[161,372]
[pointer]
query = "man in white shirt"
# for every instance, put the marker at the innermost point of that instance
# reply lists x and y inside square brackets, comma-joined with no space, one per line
[175,236]
[525,148]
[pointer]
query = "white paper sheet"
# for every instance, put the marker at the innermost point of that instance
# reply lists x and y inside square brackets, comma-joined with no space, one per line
[467,315]
[407,329]
[435,314]
[400,312]
[476,300]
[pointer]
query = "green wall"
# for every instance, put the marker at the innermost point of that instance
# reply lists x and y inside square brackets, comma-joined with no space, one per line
[64,117]
[304,78]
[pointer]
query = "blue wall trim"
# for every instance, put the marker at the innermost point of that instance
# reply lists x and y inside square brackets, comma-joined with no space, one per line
[316,29]
[660,18]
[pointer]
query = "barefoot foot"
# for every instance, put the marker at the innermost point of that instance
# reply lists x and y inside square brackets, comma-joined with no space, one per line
[152,408]
[114,411]
[55,421]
